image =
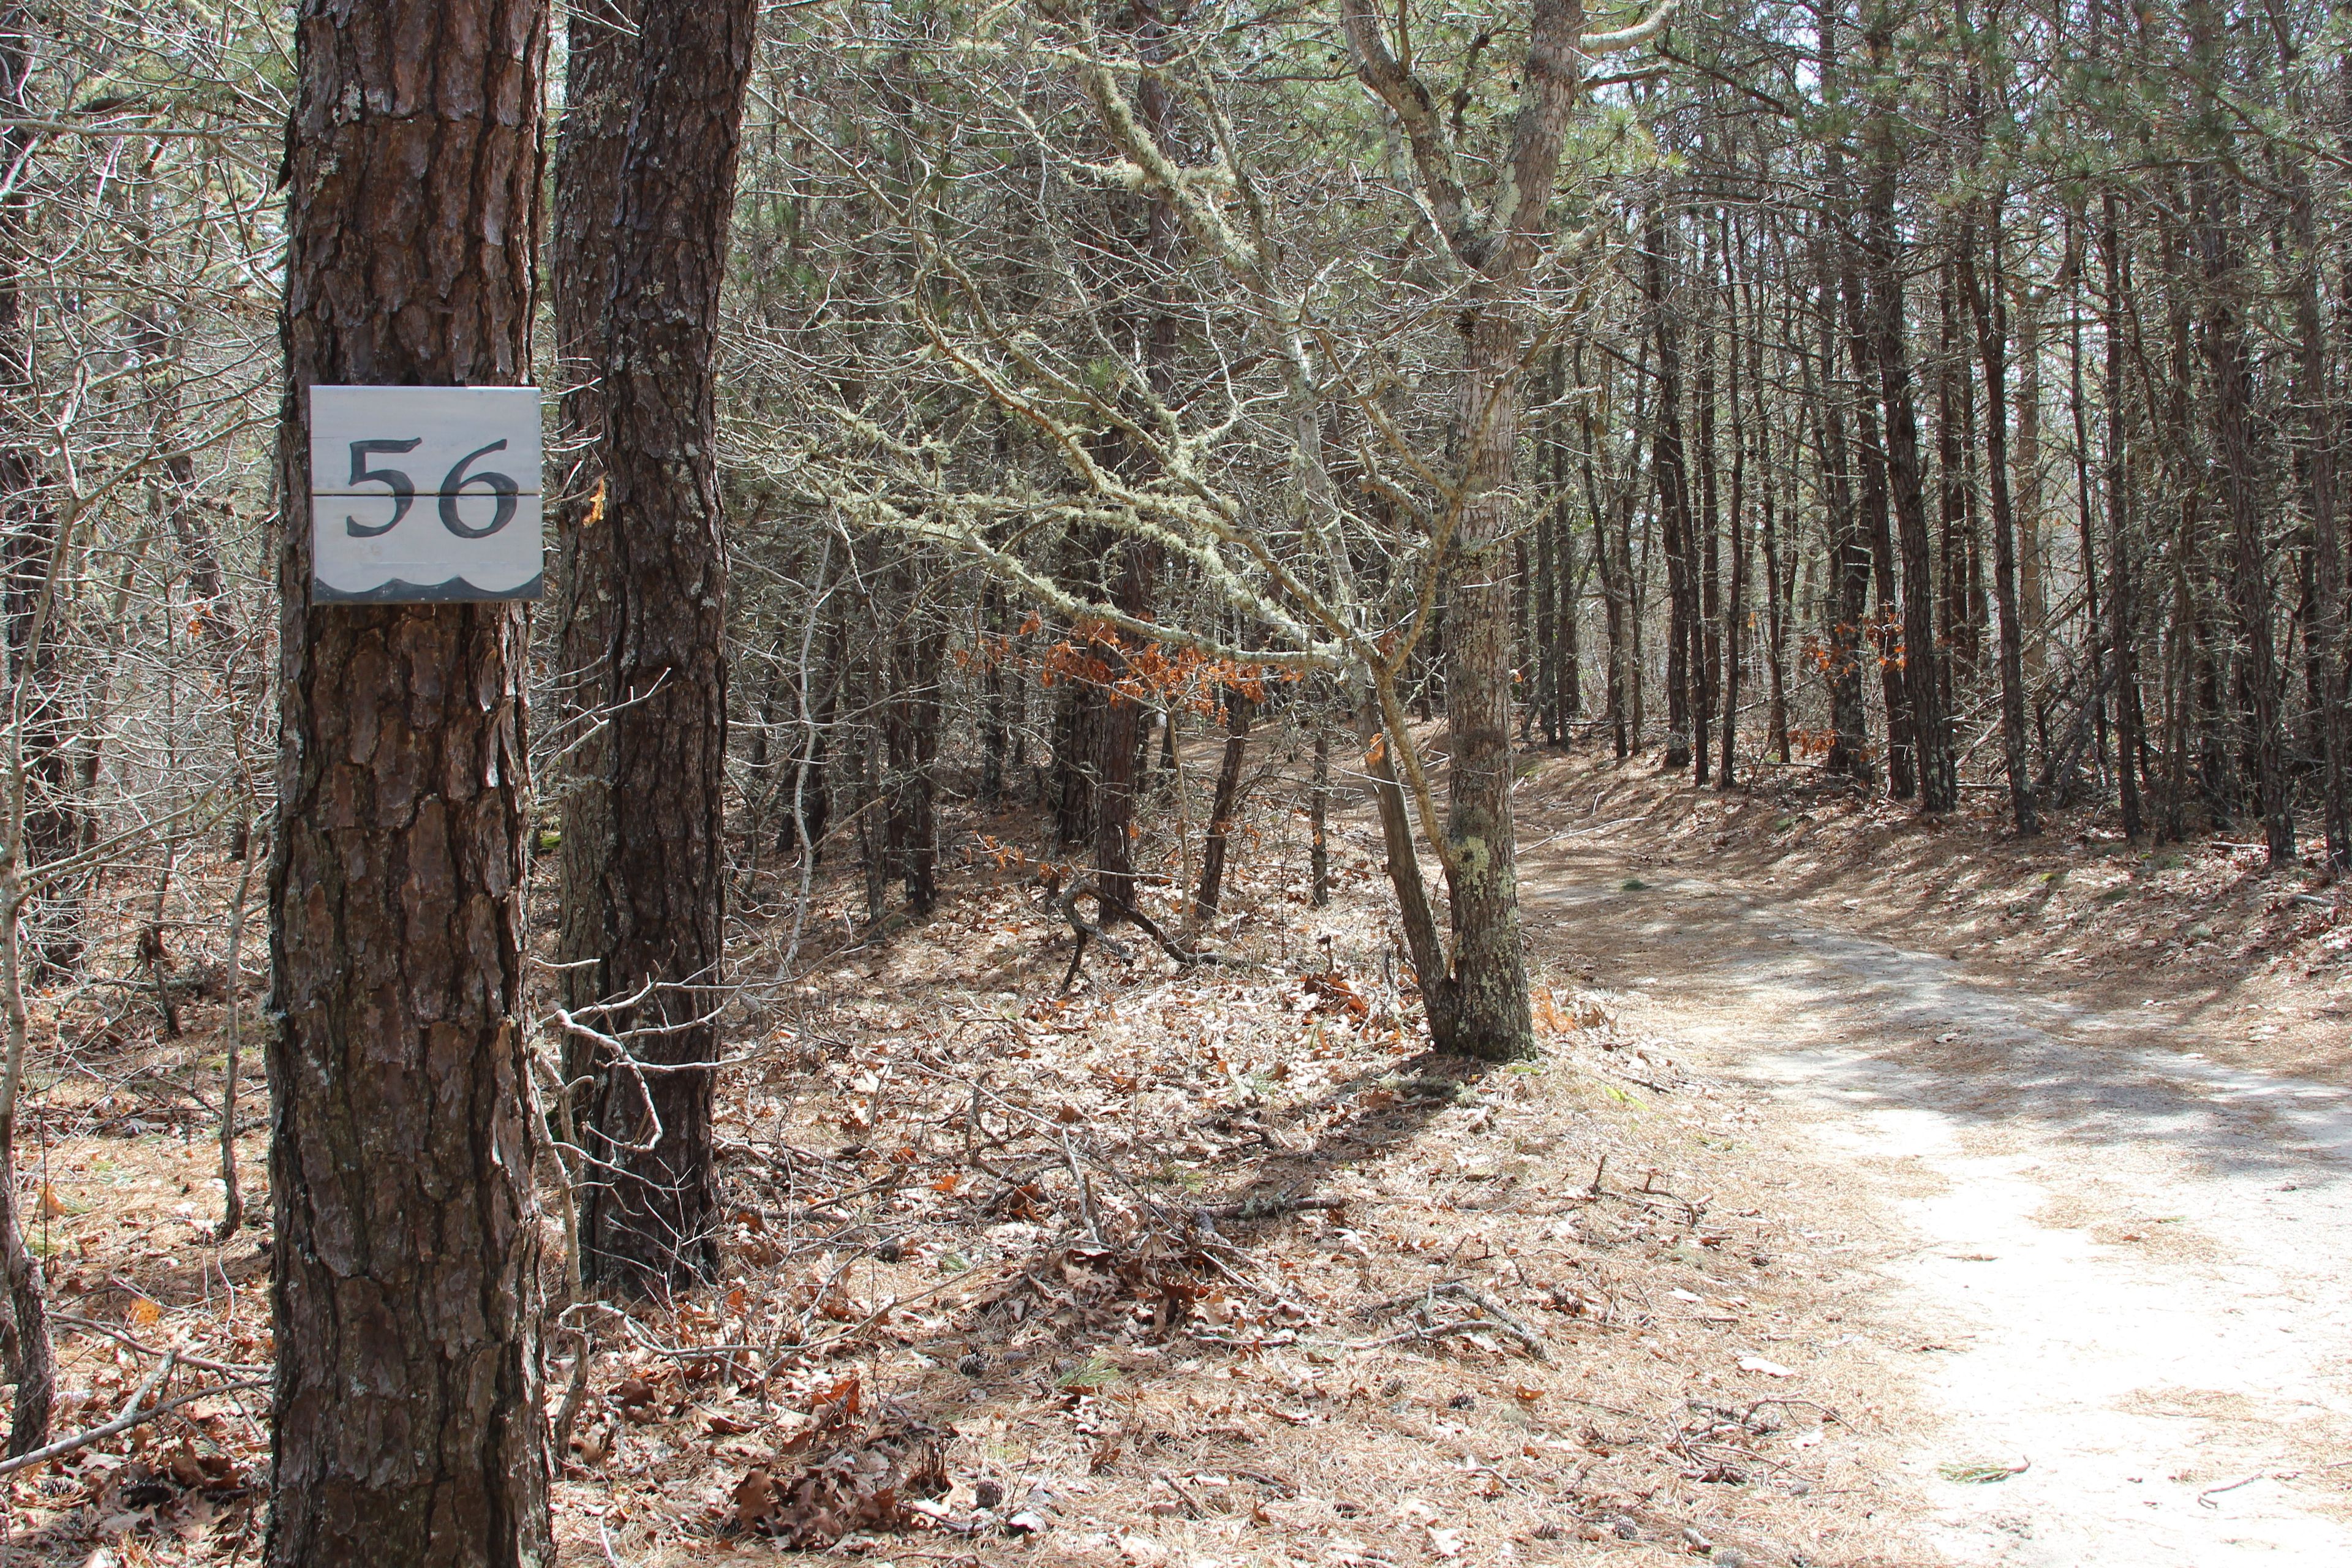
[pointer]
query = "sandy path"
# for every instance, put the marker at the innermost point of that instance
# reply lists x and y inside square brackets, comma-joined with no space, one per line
[2119,1265]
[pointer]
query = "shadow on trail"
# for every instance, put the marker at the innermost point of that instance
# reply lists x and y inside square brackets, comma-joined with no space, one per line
[1925,880]
[1871,1022]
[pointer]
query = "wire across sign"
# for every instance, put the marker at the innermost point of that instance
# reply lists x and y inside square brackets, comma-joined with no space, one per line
[424,494]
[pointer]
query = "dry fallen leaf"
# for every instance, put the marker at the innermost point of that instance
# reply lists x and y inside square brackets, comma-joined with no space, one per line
[755,1497]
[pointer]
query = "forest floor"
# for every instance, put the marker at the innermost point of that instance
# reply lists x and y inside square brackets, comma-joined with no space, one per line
[1884,1194]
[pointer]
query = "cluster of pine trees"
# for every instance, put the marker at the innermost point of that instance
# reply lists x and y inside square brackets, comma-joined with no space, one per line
[962,405]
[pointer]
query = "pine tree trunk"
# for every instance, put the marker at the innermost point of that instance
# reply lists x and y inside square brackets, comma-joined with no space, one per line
[1612,585]
[1776,619]
[2121,635]
[601,50]
[1875,531]
[1481,1007]
[1545,593]
[1735,616]
[1568,683]
[2230,367]
[1847,604]
[408,1427]
[1937,776]
[653,878]
[1992,343]
[1709,626]
[2323,636]
[2025,482]
[1490,1009]
[1673,485]
[1952,488]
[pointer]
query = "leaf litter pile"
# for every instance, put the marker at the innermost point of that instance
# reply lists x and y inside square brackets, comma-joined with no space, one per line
[1196,1266]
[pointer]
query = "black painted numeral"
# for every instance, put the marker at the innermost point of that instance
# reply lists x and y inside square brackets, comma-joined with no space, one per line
[502,485]
[404,488]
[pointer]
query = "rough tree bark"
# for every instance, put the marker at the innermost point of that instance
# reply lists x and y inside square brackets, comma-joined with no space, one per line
[647,889]
[1985,302]
[1735,610]
[600,46]
[408,1428]
[2229,363]
[1667,468]
[1848,601]
[2324,637]
[1845,607]
[1933,767]
[1478,1005]
[2121,634]
[1706,635]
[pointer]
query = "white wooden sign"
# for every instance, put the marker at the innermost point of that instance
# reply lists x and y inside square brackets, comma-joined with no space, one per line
[424,494]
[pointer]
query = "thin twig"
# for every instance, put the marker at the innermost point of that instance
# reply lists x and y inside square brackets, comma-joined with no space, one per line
[121,1424]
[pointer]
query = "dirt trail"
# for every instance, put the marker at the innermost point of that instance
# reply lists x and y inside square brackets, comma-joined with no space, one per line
[2098,1254]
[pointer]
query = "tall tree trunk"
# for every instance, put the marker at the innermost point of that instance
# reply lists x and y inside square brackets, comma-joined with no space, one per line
[2094,629]
[1613,586]
[867,787]
[1544,700]
[650,884]
[2121,634]
[1567,685]
[408,1427]
[1847,604]
[1735,610]
[1876,528]
[1985,302]
[1707,629]
[1491,1014]
[1136,564]
[590,140]
[2025,489]
[29,835]
[1923,686]
[1952,488]
[2229,363]
[1480,1009]
[1667,470]
[1776,618]
[2323,636]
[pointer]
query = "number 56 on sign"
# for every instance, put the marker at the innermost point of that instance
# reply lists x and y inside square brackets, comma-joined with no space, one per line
[424,494]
